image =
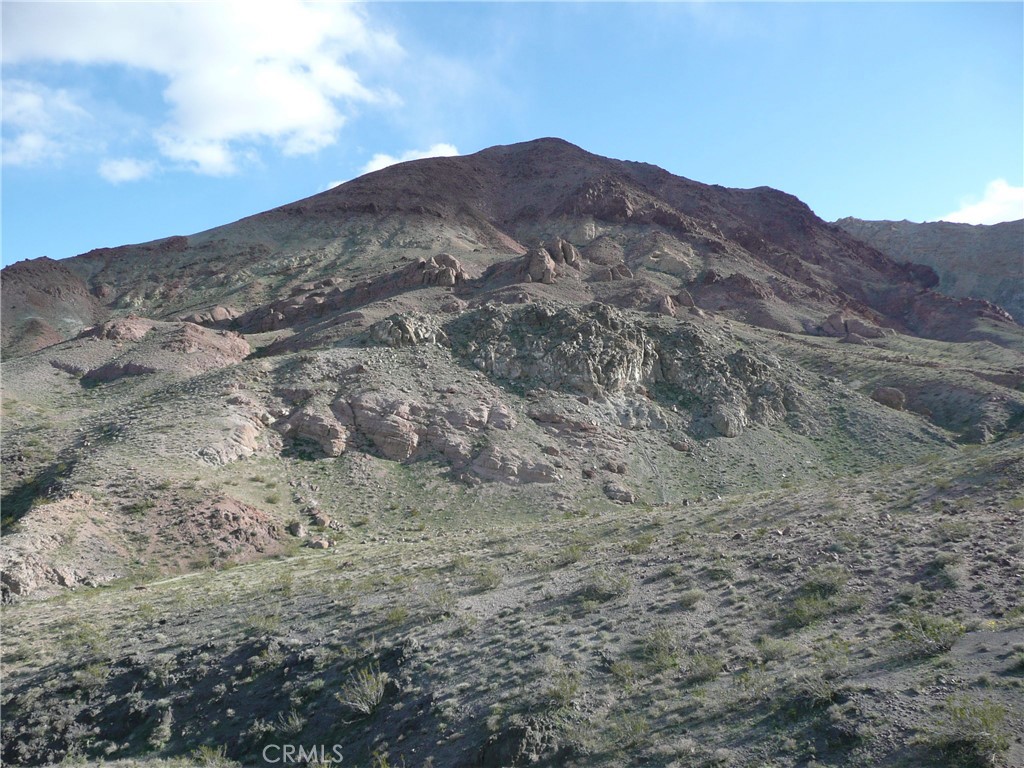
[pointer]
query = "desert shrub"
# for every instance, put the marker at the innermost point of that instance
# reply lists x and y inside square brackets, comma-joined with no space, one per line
[364,690]
[773,649]
[603,585]
[640,544]
[487,578]
[701,667]
[629,730]
[563,686]
[570,554]
[396,615]
[825,581]
[804,610]
[213,757]
[661,650]
[972,732]
[920,635]
[690,597]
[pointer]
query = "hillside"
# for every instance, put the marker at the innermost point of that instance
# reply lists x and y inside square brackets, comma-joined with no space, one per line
[978,261]
[527,457]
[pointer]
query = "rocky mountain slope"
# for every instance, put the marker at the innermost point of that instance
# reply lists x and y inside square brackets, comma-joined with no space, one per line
[448,462]
[984,262]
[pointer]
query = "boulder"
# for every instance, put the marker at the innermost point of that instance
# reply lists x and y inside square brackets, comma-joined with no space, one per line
[406,330]
[618,492]
[324,430]
[890,397]
[727,420]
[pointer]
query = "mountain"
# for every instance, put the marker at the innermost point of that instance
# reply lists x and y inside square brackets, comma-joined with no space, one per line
[760,255]
[979,261]
[523,457]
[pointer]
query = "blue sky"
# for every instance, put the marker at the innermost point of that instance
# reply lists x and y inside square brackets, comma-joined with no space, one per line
[126,122]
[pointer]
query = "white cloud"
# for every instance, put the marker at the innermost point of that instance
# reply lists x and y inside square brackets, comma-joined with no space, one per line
[237,74]
[119,170]
[40,124]
[379,161]
[1001,202]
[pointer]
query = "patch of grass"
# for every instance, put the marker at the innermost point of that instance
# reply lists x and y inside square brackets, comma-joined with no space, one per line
[563,686]
[487,578]
[690,597]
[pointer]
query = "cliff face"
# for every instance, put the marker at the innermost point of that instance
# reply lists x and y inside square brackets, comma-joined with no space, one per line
[981,262]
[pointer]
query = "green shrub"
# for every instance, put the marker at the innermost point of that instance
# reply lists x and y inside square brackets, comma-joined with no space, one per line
[661,650]
[972,732]
[690,597]
[920,635]
[640,544]
[701,667]
[603,585]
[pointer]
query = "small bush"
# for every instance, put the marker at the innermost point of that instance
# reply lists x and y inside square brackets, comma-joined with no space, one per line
[563,686]
[603,585]
[213,757]
[690,597]
[569,555]
[804,611]
[776,650]
[364,690]
[396,615]
[825,581]
[701,667]
[972,732]
[661,650]
[920,635]
[640,544]
[488,578]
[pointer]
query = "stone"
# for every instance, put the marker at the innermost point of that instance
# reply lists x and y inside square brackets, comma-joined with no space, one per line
[620,493]
[388,424]
[507,466]
[890,397]
[727,421]
[297,529]
[406,330]
[326,431]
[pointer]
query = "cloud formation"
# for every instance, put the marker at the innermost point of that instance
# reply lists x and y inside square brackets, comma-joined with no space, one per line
[1001,202]
[40,123]
[119,170]
[236,75]
[379,161]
